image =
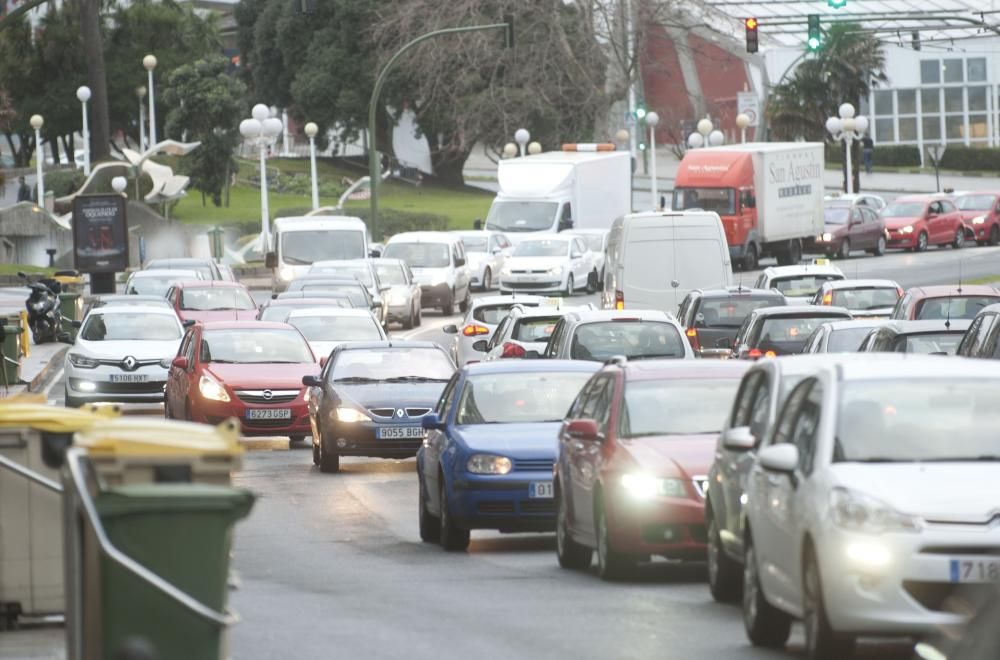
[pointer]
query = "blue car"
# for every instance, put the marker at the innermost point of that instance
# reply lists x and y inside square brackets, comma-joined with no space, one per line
[487,460]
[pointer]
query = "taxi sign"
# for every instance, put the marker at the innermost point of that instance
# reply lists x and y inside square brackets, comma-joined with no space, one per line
[821,262]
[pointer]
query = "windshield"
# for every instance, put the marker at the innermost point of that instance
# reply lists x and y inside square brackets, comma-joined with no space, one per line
[801,285]
[493,314]
[379,364]
[730,312]
[975,202]
[905,420]
[788,335]
[676,407]
[264,346]
[903,210]
[864,299]
[720,200]
[420,255]
[305,247]
[541,248]
[391,274]
[475,243]
[133,327]
[929,342]
[502,398]
[633,339]
[536,329]
[954,307]
[360,273]
[337,328]
[847,340]
[836,215]
[153,286]
[216,299]
[521,216]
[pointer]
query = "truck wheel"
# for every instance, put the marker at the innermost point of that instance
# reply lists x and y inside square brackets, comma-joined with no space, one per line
[794,251]
[750,257]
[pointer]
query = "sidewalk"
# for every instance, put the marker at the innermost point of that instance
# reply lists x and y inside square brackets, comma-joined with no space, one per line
[43,362]
[34,643]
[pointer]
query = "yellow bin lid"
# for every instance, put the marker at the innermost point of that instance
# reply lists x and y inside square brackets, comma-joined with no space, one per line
[138,436]
[33,411]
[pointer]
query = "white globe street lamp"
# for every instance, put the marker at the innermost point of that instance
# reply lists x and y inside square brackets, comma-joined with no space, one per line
[311,129]
[622,137]
[262,131]
[140,92]
[37,122]
[705,126]
[847,129]
[716,138]
[696,141]
[83,94]
[742,123]
[522,136]
[149,63]
[118,184]
[652,119]
[509,150]
[534,148]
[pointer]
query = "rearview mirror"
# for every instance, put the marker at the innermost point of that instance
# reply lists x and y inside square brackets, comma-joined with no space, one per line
[738,438]
[180,362]
[480,346]
[782,458]
[271,260]
[311,381]
[583,429]
[375,254]
[431,422]
[188,323]
[450,329]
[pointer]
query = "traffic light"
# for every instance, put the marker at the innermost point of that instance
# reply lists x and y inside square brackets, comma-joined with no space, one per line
[837,4]
[752,43]
[813,41]
[640,113]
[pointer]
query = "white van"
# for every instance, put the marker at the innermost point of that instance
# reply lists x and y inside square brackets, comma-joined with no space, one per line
[300,241]
[438,262]
[654,259]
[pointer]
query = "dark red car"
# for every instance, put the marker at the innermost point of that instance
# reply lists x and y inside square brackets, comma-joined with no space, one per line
[251,370]
[944,302]
[212,300]
[634,452]
[915,221]
[982,211]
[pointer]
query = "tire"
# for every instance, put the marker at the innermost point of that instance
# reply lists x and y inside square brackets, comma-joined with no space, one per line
[879,250]
[409,322]
[296,440]
[570,290]
[959,241]
[845,249]
[463,306]
[795,251]
[430,526]
[821,642]
[921,242]
[592,282]
[571,554]
[611,565]
[315,449]
[329,462]
[448,309]
[487,280]
[452,537]
[750,259]
[994,238]
[724,574]
[765,624]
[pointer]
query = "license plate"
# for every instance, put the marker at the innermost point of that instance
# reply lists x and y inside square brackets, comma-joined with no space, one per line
[269,413]
[129,378]
[540,490]
[399,433]
[975,570]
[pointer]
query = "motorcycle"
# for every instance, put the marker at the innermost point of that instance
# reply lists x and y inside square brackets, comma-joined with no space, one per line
[44,315]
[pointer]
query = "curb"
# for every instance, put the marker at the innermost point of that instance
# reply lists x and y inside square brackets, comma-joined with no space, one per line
[50,369]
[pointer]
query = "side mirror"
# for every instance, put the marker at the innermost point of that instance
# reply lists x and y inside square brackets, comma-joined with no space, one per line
[77,324]
[576,255]
[497,251]
[312,381]
[271,260]
[724,342]
[459,262]
[565,224]
[431,422]
[375,254]
[738,438]
[65,338]
[450,329]
[480,346]
[583,429]
[188,323]
[323,360]
[782,458]
[180,362]
[274,296]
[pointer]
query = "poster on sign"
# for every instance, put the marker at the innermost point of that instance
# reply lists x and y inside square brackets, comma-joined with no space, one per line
[100,233]
[748,103]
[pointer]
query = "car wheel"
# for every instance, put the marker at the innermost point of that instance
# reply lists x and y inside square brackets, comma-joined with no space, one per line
[487,280]
[315,449]
[879,247]
[845,249]
[723,573]
[452,537]
[420,316]
[329,461]
[959,241]
[570,290]
[296,440]
[611,565]
[407,323]
[765,624]
[571,554]
[448,308]
[921,242]
[592,282]
[430,526]
[994,238]
[463,306]
[821,642]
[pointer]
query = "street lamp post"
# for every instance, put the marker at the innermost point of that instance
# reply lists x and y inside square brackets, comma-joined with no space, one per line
[742,122]
[652,119]
[521,136]
[311,129]
[140,92]
[83,94]
[263,130]
[847,129]
[149,62]
[36,123]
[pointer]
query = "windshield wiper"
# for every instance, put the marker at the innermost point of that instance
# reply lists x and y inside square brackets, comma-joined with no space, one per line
[356,379]
[294,260]
[214,361]
[414,379]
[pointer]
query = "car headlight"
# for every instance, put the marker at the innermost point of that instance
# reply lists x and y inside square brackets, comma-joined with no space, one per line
[351,415]
[556,270]
[908,229]
[489,464]
[827,237]
[858,512]
[979,219]
[82,362]
[212,389]
[645,486]
[868,554]
[286,273]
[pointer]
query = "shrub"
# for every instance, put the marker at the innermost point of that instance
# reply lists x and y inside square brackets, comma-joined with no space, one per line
[889,155]
[64,182]
[963,158]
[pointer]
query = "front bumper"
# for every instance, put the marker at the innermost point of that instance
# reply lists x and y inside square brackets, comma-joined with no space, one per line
[673,527]
[94,385]
[502,502]
[532,283]
[910,594]
[436,295]
[359,439]
[898,239]
[214,412]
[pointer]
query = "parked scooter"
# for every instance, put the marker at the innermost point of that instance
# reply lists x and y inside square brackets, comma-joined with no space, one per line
[44,315]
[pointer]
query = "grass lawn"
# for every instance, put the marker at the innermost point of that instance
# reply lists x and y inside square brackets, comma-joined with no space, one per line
[12,269]
[986,279]
[460,205]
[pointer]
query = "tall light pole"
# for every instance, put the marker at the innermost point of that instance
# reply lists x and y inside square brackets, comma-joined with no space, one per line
[83,94]
[36,123]
[311,129]
[847,129]
[149,62]
[140,92]
[521,136]
[652,119]
[263,130]
[742,122]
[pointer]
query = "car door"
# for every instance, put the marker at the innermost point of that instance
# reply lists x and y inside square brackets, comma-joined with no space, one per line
[868,232]
[495,342]
[185,380]
[434,445]
[951,221]
[936,223]
[173,397]
[724,487]
[585,455]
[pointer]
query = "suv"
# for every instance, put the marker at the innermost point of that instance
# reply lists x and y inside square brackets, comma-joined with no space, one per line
[773,331]
[713,316]
[438,262]
[982,339]
[604,334]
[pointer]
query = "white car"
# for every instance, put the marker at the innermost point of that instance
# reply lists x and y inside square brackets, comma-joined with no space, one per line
[486,252]
[118,355]
[480,321]
[437,260]
[157,282]
[798,284]
[325,328]
[873,502]
[597,243]
[554,264]
[524,332]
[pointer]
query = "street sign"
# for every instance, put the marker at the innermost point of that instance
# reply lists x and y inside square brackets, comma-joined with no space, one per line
[935,152]
[748,103]
[100,233]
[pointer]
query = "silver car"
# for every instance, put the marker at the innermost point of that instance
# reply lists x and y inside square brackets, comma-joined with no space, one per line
[480,321]
[403,294]
[486,252]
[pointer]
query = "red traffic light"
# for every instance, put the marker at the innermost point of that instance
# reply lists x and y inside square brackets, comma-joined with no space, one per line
[751,23]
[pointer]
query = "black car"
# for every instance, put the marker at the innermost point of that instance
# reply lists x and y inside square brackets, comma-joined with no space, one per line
[773,331]
[370,397]
[939,337]
[711,317]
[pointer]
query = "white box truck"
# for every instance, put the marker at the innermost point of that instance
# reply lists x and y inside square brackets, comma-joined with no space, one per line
[768,194]
[558,190]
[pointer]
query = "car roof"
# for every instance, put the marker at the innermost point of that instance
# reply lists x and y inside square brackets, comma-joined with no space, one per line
[800,310]
[423,237]
[994,308]
[500,300]
[389,343]
[946,290]
[918,198]
[326,277]
[299,295]
[136,309]
[807,363]
[330,311]
[474,233]
[208,284]
[900,327]
[860,284]
[133,298]
[531,366]
[730,291]
[846,324]
[586,232]
[660,369]
[246,325]
[597,315]
[318,300]
[802,269]
[165,273]
[912,365]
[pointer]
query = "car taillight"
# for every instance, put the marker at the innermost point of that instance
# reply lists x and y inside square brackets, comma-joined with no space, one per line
[619,300]
[754,353]
[828,299]
[511,350]
[692,335]
[770,354]
[475,330]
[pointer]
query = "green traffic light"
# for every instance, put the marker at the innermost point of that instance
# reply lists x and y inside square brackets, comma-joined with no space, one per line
[813,43]
[836,4]
[640,113]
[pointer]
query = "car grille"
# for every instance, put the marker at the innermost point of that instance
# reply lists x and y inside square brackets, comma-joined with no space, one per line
[960,550]
[530,285]
[259,397]
[701,485]
[538,506]
[391,412]
[382,412]
[533,465]
[267,423]
[417,412]
[118,363]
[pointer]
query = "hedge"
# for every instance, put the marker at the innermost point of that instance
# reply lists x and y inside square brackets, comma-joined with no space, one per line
[890,155]
[963,158]
[391,221]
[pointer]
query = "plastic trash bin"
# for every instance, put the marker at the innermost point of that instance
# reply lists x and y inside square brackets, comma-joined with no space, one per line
[10,347]
[71,309]
[183,533]
[32,435]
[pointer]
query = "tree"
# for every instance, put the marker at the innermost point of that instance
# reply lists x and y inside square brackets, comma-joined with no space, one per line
[93,48]
[207,104]
[22,82]
[58,45]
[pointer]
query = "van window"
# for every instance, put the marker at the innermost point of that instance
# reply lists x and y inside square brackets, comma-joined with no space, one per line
[305,247]
[521,216]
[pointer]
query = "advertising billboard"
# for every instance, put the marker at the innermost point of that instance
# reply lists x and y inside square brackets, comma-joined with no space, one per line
[100,233]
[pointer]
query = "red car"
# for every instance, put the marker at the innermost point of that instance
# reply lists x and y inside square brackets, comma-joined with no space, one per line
[944,302]
[915,221]
[634,452]
[982,211]
[251,370]
[212,300]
